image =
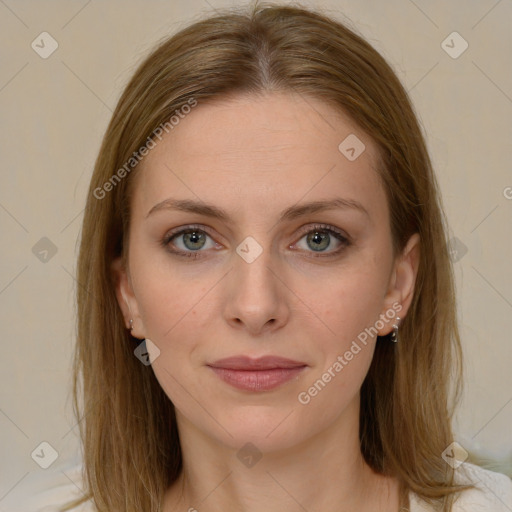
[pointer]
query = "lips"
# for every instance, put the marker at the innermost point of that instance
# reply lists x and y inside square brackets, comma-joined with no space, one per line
[262,374]
[261,363]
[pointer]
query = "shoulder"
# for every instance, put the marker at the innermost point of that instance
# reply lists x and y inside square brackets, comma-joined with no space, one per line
[493,491]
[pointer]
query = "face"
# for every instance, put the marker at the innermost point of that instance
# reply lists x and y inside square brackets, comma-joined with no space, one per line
[253,234]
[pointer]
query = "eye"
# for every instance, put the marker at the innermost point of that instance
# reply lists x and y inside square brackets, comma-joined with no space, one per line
[321,237]
[188,242]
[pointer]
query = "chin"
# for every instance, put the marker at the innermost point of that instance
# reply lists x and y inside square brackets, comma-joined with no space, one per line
[267,432]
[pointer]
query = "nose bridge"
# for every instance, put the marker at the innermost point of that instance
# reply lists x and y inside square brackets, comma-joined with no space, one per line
[257,297]
[254,264]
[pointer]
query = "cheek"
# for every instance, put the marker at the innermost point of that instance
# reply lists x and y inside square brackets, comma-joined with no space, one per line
[168,293]
[169,305]
[343,330]
[348,310]
[345,300]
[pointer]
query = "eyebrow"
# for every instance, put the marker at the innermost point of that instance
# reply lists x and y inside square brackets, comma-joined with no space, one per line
[291,213]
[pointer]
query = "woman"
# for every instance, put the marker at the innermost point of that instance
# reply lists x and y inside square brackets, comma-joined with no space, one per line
[266,311]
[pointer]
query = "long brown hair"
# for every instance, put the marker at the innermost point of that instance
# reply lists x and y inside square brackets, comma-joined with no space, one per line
[130,441]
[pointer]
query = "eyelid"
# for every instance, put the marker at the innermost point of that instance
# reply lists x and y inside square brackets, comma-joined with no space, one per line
[304,230]
[188,227]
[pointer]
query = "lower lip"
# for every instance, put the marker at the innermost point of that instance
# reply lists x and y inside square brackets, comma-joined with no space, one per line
[257,380]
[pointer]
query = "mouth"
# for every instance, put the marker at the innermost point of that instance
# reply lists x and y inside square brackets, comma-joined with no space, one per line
[262,374]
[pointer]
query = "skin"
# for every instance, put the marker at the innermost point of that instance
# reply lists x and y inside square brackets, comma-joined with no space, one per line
[255,156]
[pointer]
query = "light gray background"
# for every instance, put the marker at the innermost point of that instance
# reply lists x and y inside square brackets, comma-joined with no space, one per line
[54,114]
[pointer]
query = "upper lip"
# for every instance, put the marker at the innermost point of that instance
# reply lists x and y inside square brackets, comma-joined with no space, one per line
[261,363]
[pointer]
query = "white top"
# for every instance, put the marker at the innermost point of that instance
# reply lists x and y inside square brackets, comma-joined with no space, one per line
[493,492]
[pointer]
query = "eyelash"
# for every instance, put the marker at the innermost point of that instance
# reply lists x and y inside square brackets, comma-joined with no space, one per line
[323,228]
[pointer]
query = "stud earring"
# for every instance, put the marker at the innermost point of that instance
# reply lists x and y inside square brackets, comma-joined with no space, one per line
[131,324]
[394,334]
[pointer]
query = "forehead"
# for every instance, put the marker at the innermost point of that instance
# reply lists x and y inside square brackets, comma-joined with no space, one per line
[259,151]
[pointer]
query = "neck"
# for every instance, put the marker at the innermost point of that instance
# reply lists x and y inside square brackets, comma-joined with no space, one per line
[324,472]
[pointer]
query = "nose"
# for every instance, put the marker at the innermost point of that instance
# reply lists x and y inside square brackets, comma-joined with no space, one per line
[257,296]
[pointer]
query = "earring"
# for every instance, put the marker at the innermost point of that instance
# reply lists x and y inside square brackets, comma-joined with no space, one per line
[131,324]
[394,334]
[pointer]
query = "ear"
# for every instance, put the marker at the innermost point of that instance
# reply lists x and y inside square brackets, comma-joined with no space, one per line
[126,298]
[401,286]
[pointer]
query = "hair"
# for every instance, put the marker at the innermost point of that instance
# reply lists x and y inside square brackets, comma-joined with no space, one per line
[131,448]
